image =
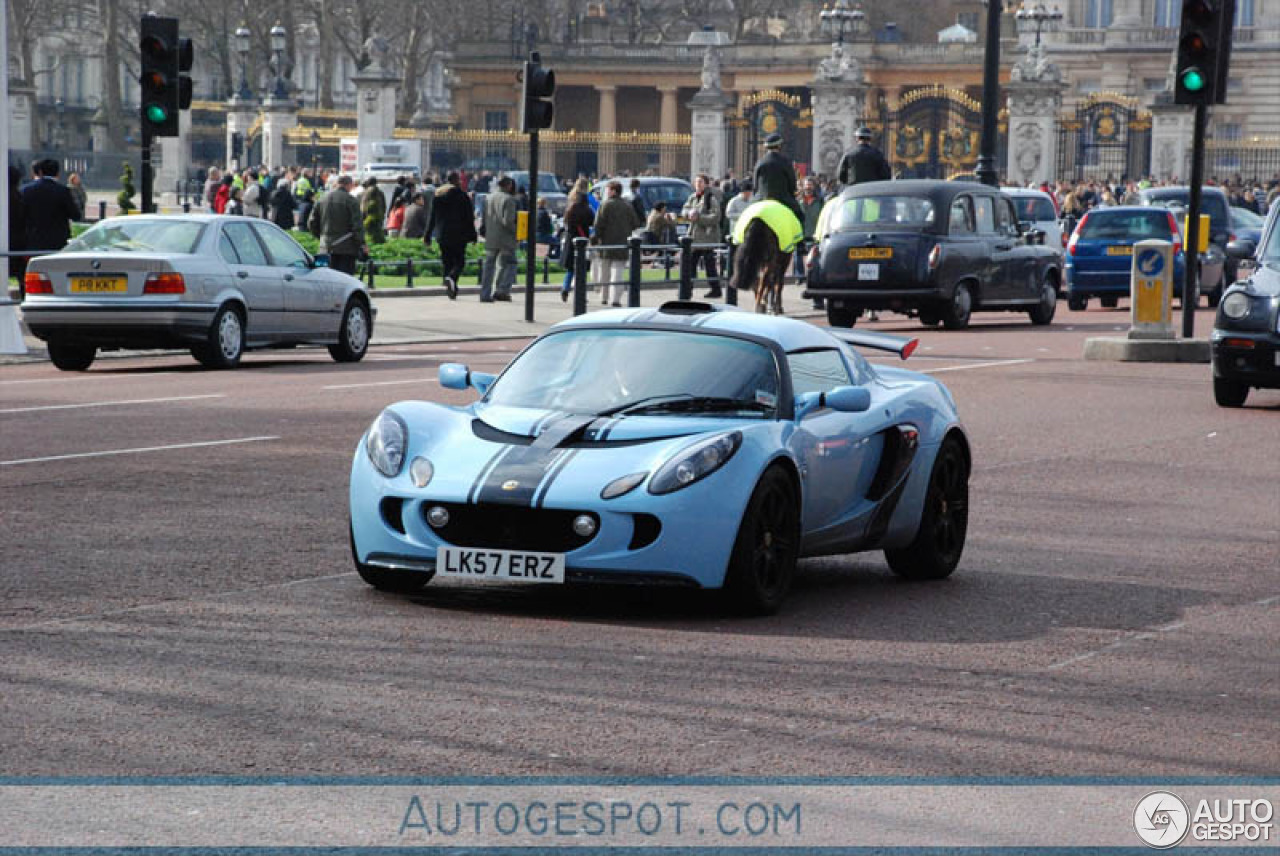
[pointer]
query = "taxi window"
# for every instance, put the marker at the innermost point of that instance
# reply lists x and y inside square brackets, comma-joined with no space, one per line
[984,214]
[862,211]
[961,216]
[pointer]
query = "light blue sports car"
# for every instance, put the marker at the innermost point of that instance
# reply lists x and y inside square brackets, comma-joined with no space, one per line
[689,445]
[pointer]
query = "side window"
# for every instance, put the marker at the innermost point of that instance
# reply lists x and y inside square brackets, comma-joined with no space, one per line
[817,371]
[1006,221]
[226,250]
[984,214]
[245,244]
[961,216]
[285,251]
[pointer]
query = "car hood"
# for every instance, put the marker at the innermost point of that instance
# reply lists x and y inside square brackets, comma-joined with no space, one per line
[1265,280]
[523,423]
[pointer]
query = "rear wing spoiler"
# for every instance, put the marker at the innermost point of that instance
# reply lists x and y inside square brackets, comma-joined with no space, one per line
[899,345]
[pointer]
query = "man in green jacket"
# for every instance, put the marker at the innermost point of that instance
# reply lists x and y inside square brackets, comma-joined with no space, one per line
[336,221]
[499,226]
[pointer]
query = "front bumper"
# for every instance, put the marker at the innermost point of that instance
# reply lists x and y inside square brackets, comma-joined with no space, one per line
[1256,364]
[135,324]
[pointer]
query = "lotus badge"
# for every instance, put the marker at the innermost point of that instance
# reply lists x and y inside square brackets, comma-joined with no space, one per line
[511,484]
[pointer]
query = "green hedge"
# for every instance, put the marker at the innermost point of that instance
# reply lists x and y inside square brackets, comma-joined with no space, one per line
[393,249]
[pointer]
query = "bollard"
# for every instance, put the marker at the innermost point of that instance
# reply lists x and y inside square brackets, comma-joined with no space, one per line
[579,276]
[372,271]
[731,293]
[666,264]
[633,292]
[546,270]
[186,207]
[686,268]
[102,209]
[408,267]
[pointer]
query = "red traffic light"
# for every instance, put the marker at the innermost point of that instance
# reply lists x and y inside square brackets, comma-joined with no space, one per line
[154,49]
[1194,44]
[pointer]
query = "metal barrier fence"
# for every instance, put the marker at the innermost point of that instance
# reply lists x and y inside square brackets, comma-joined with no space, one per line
[635,247]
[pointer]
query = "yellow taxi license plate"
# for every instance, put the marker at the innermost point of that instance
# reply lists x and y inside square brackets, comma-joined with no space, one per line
[1119,251]
[871,252]
[99,284]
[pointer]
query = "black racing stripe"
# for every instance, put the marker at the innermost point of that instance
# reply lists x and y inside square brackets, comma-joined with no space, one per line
[515,479]
[556,469]
[484,471]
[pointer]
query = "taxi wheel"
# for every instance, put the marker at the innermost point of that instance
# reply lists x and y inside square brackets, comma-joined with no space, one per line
[353,336]
[842,316]
[944,520]
[929,317]
[1077,304]
[1110,302]
[767,547]
[226,341]
[1043,313]
[386,579]
[71,358]
[1229,393]
[959,309]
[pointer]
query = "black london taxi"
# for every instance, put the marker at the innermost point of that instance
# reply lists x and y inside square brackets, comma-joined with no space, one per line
[936,250]
[1246,332]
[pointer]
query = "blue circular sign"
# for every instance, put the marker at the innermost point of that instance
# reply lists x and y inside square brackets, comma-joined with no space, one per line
[1150,262]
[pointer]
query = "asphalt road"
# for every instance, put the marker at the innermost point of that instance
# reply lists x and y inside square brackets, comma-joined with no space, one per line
[176,594]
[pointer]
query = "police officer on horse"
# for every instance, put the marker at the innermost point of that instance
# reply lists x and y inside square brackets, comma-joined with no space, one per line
[865,162]
[775,177]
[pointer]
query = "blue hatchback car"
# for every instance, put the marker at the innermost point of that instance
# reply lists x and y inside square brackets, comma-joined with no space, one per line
[1100,252]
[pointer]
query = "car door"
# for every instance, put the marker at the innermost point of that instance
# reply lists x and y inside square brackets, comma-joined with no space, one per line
[965,251]
[1021,277]
[309,310]
[999,248]
[256,278]
[829,446]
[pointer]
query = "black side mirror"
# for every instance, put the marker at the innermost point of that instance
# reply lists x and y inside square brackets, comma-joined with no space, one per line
[1241,249]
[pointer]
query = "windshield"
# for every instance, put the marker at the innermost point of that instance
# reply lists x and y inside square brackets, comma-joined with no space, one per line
[593,371]
[139,236]
[1104,225]
[1271,252]
[883,211]
[1035,209]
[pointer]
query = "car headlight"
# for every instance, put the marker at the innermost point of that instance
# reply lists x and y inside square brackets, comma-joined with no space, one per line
[386,443]
[695,463]
[1237,305]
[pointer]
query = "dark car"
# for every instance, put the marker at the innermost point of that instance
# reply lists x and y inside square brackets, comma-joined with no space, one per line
[1246,331]
[939,250]
[1100,252]
[1213,201]
[548,189]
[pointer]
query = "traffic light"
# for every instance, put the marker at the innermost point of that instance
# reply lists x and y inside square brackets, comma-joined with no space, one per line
[1204,51]
[537,109]
[159,78]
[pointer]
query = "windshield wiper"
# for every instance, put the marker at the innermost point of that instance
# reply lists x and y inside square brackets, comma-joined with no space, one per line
[628,406]
[694,403]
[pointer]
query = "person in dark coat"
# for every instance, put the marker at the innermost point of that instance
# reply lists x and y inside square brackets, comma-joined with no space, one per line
[578,220]
[775,177]
[50,210]
[283,205]
[17,228]
[865,162]
[453,222]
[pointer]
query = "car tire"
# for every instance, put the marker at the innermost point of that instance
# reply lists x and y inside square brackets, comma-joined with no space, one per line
[387,579]
[958,311]
[944,520]
[226,340]
[1229,393]
[1076,303]
[767,547]
[71,358]
[930,317]
[353,335]
[1110,302]
[842,316]
[1048,305]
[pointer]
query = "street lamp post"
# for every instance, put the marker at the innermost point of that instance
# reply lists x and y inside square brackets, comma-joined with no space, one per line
[986,170]
[242,34]
[60,131]
[315,154]
[840,19]
[279,39]
[1037,17]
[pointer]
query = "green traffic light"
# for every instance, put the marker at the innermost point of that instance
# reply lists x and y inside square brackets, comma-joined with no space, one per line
[1192,80]
[156,114]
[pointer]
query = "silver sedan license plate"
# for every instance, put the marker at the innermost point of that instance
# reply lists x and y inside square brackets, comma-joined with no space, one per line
[513,566]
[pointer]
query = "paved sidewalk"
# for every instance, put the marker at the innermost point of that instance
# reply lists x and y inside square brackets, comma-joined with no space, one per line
[427,315]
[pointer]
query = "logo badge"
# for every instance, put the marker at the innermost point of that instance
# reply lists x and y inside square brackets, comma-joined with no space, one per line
[96,263]
[510,484]
[1161,820]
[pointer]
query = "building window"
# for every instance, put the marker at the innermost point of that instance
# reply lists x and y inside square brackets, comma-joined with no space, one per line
[1167,12]
[1097,13]
[1229,132]
[1244,13]
[1155,84]
[496,120]
[1087,85]
[1235,84]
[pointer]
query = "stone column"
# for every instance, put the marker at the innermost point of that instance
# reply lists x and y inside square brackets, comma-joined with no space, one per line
[668,125]
[1034,100]
[280,114]
[839,98]
[710,134]
[375,99]
[240,115]
[608,125]
[22,116]
[1172,126]
[175,156]
[1126,16]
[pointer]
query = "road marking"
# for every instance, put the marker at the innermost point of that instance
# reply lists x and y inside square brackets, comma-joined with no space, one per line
[95,376]
[988,365]
[377,383]
[110,403]
[137,451]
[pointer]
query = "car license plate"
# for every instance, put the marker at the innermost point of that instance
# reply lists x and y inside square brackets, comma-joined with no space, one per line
[868,272]
[513,566]
[1119,251]
[870,253]
[99,284]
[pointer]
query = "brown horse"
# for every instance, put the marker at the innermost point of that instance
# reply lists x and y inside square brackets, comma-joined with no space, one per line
[761,265]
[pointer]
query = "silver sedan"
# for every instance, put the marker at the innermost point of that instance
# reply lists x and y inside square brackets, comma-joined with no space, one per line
[214,284]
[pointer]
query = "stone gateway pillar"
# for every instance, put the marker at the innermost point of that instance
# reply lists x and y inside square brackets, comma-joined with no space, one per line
[710,154]
[839,97]
[280,114]
[1035,98]
[376,96]
[1172,126]
[240,115]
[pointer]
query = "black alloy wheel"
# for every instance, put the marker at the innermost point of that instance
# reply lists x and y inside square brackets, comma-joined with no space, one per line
[944,521]
[764,555]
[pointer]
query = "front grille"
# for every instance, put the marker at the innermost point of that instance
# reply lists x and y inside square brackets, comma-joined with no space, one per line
[508,527]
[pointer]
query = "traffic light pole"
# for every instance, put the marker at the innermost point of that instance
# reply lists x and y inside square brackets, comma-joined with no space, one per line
[147,178]
[531,232]
[1191,283]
